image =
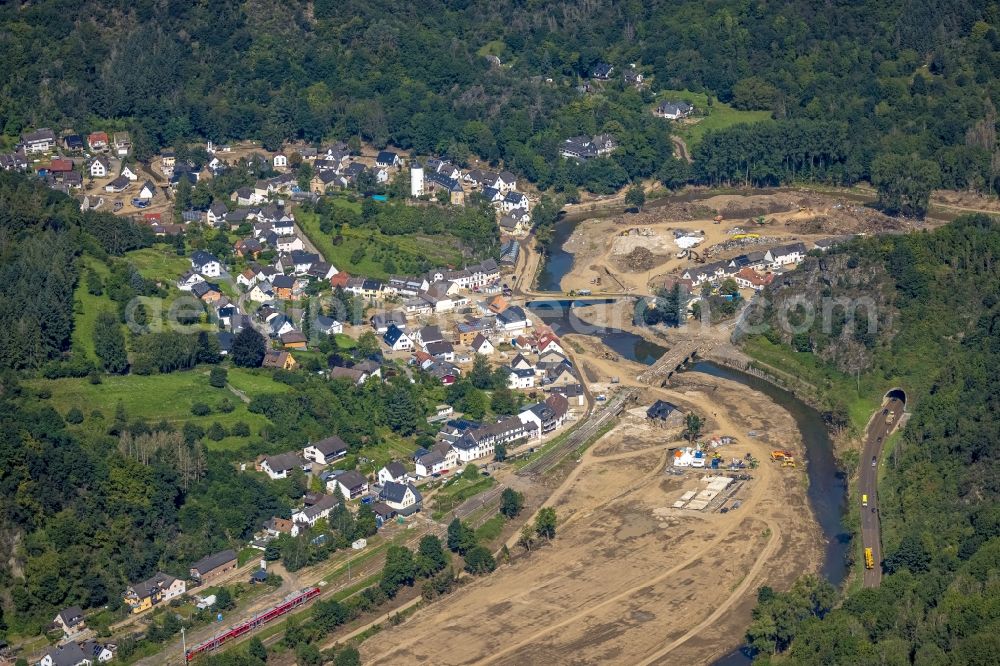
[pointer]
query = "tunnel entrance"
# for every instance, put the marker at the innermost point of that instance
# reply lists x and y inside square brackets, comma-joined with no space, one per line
[896,394]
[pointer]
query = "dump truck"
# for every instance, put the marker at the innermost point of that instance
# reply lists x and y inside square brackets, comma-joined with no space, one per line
[869,559]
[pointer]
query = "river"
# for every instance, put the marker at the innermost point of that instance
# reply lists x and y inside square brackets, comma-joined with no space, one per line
[827,492]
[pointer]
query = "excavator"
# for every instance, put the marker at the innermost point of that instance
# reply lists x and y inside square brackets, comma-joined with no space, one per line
[786,458]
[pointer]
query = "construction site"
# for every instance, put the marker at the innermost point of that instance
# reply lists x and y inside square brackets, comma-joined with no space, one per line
[633,253]
[631,577]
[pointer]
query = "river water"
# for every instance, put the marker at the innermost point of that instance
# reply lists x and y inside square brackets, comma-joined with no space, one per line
[827,492]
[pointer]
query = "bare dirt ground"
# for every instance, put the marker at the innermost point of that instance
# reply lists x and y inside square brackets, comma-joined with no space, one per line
[629,579]
[601,250]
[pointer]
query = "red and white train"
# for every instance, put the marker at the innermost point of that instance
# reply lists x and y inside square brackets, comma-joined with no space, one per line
[292,602]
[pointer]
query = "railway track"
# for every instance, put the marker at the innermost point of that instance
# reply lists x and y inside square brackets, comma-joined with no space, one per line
[551,458]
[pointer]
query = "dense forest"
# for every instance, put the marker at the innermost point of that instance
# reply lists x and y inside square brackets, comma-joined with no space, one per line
[845,82]
[938,603]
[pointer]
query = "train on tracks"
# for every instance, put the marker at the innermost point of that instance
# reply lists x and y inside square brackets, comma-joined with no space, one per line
[292,602]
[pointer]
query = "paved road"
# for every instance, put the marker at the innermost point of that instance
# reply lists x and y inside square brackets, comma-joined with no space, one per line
[871,535]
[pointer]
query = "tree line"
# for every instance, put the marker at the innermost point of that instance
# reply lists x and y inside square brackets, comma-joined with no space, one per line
[938,501]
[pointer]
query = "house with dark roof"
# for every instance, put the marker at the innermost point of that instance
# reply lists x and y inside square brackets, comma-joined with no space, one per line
[212,566]
[281,465]
[206,264]
[387,159]
[40,141]
[661,410]
[280,359]
[394,471]
[144,595]
[396,339]
[70,621]
[69,654]
[351,484]
[405,499]
[674,110]
[326,450]
[602,71]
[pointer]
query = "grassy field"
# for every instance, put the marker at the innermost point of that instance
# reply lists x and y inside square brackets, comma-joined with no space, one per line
[390,448]
[438,250]
[861,395]
[168,397]
[457,491]
[491,529]
[90,306]
[718,116]
[159,262]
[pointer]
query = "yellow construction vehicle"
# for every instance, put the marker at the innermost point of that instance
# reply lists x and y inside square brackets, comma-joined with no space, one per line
[778,455]
[788,462]
[869,559]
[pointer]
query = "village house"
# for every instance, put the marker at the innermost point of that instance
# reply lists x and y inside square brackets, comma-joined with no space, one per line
[294,340]
[674,110]
[99,167]
[787,254]
[206,264]
[146,594]
[122,143]
[289,243]
[481,442]
[513,319]
[40,141]
[279,325]
[405,499]
[309,515]
[281,465]
[482,345]
[119,184]
[396,339]
[467,331]
[262,292]
[98,141]
[428,334]
[188,280]
[327,325]
[544,417]
[70,621]
[351,484]
[748,278]
[585,148]
[129,173]
[382,320]
[574,393]
[521,379]
[661,411]
[602,71]
[102,654]
[325,451]
[387,159]
[73,142]
[560,375]
[213,566]
[69,654]
[279,359]
[147,191]
[393,471]
[286,287]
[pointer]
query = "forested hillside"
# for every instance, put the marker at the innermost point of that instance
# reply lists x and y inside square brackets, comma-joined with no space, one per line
[939,602]
[846,82]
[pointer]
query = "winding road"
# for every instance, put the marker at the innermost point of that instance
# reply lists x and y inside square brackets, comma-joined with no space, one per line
[879,428]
